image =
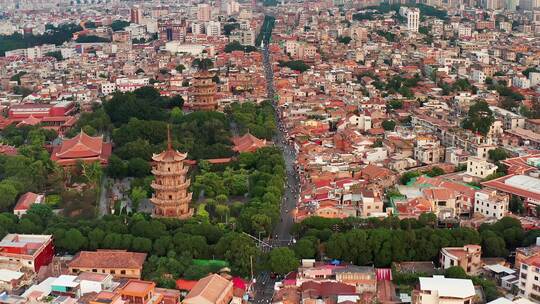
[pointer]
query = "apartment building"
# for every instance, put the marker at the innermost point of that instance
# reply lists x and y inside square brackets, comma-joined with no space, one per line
[490,203]
[529,278]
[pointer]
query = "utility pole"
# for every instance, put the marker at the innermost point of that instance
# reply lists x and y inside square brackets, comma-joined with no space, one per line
[251,263]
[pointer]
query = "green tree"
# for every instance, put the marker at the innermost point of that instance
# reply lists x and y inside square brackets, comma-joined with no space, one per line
[283,260]
[344,39]
[455,272]
[297,65]
[118,25]
[180,68]
[92,172]
[435,171]
[8,194]
[479,118]
[305,248]
[497,154]
[74,240]
[389,125]
[137,195]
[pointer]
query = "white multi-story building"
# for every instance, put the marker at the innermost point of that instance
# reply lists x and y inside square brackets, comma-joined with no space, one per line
[33,52]
[479,167]
[413,19]
[108,88]
[478,76]
[213,28]
[131,84]
[489,203]
[136,31]
[361,122]
[244,37]
[529,278]
[521,82]
[534,78]
[509,119]
[464,31]
[442,290]
[197,28]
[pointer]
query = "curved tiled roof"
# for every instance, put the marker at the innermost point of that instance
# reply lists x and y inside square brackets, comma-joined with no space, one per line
[81,146]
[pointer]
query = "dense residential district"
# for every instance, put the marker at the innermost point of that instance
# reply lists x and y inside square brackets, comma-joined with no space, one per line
[263,151]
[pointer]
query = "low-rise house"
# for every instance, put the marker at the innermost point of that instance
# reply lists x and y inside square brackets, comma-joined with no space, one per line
[439,289]
[141,292]
[66,285]
[29,251]
[119,263]
[467,257]
[95,282]
[26,201]
[480,168]
[213,289]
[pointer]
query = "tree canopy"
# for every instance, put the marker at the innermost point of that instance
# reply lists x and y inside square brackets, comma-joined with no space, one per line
[479,118]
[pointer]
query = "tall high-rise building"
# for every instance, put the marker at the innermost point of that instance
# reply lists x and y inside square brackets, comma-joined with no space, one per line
[413,19]
[511,5]
[529,5]
[233,7]
[136,14]
[204,12]
[203,91]
[170,30]
[171,197]
[213,28]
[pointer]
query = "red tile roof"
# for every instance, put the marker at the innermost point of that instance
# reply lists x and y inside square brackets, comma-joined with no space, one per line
[108,259]
[326,289]
[248,143]
[82,147]
[182,284]
[26,200]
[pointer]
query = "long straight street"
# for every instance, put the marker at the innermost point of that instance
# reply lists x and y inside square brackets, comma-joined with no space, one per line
[282,231]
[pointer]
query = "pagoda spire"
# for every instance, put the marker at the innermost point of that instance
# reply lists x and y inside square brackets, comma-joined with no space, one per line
[169,141]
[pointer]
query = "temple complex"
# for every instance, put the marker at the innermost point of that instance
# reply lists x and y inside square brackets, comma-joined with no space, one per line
[203,92]
[247,143]
[82,147]
[171,198]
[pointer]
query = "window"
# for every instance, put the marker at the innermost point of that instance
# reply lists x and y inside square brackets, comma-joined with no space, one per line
[113,272]
[94,270]
[122,272]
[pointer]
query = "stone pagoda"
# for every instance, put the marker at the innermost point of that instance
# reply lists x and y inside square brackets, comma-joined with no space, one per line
[203,92]
[171,198]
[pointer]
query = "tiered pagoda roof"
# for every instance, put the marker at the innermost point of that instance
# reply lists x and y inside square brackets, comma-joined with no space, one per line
[84,147]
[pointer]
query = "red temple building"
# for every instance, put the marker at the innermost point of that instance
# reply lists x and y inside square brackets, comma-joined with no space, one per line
[51,116]
[82,147]
[171,198]
[247,143]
